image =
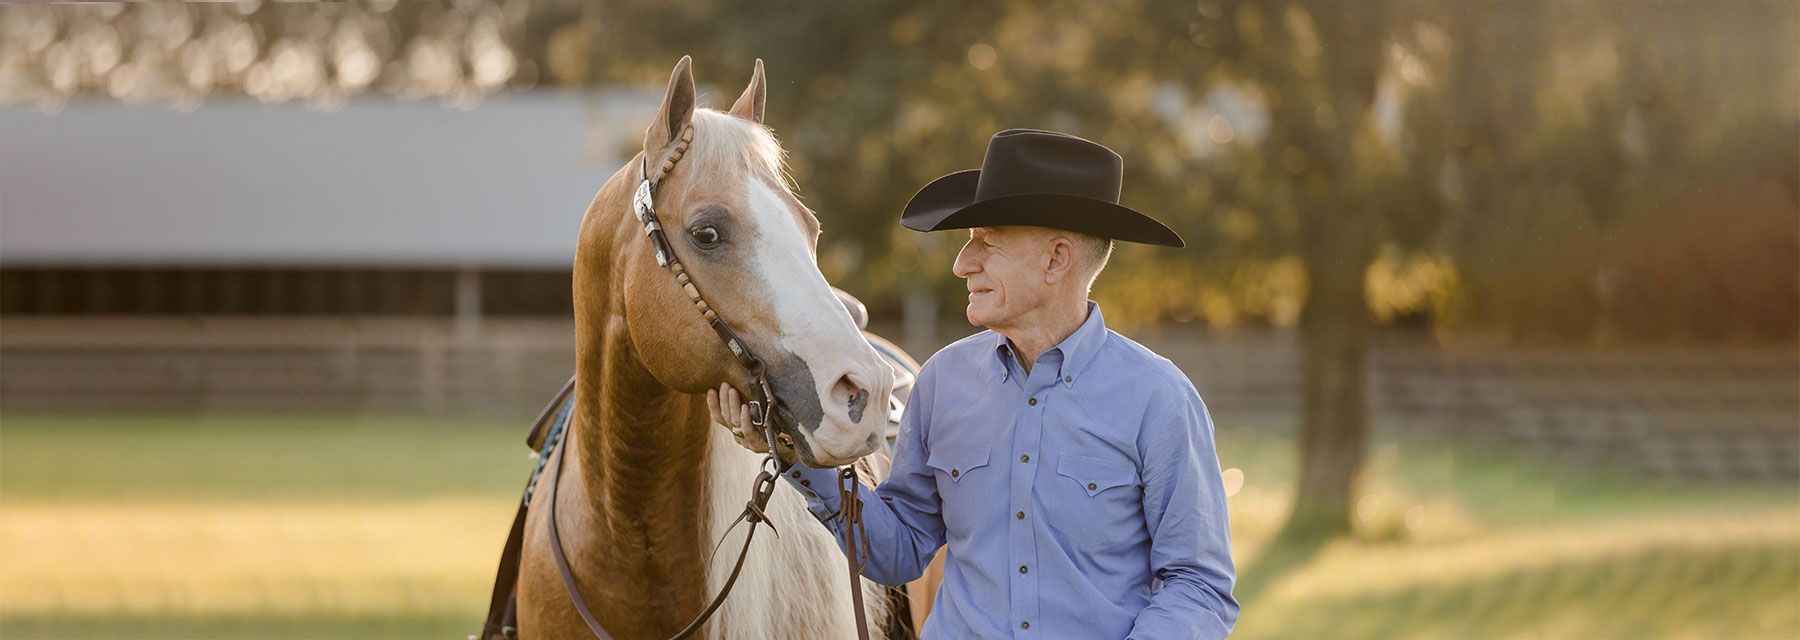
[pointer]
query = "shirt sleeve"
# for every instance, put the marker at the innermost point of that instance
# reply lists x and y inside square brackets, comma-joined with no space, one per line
[903,516]
[1184,508]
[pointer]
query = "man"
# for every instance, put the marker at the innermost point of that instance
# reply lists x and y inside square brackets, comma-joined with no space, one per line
[1070,470]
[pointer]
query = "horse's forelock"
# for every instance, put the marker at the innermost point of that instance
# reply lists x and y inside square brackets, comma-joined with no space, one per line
[724,143]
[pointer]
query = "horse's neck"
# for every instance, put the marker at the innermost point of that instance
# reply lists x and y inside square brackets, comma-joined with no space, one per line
[638,473]
[658,494]
[642,441]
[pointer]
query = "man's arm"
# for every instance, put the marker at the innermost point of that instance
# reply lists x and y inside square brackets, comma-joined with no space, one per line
[902,517]
[1184,508]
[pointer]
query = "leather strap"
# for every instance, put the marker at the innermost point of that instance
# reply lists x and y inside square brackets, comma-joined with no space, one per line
[643,207]
[502,614]
[856,541]
[502,622]
[562,560]
[763,489]
[540,427]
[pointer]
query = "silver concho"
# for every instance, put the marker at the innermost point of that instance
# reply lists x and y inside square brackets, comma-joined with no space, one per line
[640,201]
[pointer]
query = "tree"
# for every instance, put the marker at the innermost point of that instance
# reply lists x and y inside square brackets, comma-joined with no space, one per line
[1292,142]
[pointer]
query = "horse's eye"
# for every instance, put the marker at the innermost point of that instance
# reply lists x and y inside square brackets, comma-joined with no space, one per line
[707,236]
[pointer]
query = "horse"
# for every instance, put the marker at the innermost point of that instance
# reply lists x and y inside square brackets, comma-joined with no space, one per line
[648,485]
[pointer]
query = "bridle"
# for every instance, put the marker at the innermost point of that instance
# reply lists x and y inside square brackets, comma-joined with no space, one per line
[762,406]
[762,402]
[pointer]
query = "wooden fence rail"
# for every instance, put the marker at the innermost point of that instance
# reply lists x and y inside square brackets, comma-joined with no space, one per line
[1688,413]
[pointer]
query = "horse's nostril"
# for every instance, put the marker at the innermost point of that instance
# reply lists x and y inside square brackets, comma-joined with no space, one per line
[856,398]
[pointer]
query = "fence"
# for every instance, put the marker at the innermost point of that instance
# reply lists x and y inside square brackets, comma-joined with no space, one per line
[282,364]
[1692,413]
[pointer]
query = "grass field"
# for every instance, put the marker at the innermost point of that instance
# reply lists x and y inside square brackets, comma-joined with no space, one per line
[362,527]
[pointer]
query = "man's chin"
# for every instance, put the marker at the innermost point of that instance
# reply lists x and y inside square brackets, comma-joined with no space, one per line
[976,318]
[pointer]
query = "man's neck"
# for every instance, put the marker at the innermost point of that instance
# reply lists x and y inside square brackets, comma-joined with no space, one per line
[1042,331]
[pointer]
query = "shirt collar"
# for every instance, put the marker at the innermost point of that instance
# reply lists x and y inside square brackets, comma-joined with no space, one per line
[1077,350]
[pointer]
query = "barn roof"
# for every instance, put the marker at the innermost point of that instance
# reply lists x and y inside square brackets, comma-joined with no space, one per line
[377,182]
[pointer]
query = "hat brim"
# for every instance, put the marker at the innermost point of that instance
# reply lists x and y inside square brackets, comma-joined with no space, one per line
[949,203]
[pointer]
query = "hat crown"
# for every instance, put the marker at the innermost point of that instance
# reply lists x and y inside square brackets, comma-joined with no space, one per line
[1029,161]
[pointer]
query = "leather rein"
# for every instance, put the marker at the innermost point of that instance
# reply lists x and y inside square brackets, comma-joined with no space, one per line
[762,407]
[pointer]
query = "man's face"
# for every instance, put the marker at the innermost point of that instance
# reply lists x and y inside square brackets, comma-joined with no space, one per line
[1004,267]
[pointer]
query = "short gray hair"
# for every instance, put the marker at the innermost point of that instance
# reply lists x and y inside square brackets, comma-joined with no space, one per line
[1094,251]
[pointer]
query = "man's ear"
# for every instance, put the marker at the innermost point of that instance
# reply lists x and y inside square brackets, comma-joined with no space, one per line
[1060,261]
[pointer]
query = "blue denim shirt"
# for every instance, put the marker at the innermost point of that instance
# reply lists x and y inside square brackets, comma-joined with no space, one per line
[1082,500]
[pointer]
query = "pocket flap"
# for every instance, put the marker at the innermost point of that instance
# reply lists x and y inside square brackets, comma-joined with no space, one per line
[957,461]
[1093,474]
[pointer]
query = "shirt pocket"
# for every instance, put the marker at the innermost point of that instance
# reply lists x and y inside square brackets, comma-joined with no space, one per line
[961,473]
[1093,501]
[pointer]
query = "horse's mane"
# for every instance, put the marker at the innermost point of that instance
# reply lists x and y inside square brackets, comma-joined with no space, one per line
[725,144]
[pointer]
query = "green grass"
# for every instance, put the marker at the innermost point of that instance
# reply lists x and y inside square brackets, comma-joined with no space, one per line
[224,526]
[258,457]
[371,527]
[1474,540]
[234,626]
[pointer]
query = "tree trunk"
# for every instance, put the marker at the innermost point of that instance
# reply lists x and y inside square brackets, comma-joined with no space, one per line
[1334,418]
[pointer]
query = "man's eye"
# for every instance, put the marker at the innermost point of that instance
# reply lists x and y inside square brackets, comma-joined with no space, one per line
[707,236]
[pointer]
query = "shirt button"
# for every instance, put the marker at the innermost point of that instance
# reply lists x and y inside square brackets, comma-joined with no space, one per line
[805,483]
[1024,625]
[1068,378]
[1033,402]
[1021,515]
[1090,486]
[796,473]
[952,473]
[1023,569]
[1025,458]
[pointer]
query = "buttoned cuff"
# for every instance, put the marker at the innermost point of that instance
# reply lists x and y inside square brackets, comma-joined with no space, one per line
[819,487]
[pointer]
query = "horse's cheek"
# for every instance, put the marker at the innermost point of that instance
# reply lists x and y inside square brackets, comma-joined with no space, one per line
[669,336]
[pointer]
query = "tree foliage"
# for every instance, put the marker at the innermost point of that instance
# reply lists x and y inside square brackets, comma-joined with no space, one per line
[1564,172]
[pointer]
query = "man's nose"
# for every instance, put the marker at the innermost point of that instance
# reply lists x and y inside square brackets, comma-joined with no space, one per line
[965,264]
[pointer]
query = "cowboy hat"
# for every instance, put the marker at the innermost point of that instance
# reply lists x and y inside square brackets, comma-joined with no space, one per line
[1040,179]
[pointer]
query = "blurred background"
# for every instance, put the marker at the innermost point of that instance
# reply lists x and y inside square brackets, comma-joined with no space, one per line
[1495,304]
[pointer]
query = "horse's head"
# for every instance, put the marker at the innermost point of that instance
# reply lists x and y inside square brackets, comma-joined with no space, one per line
[749,247]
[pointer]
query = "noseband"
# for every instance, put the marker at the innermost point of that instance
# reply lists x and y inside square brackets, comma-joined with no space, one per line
[762,407]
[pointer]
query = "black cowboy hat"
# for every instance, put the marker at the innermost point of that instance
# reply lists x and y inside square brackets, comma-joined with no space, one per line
[1040,179]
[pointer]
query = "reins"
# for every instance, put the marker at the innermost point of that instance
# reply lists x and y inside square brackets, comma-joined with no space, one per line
[762,406]
[753,513]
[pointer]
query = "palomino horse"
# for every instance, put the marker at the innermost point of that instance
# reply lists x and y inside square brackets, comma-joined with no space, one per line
[648,485]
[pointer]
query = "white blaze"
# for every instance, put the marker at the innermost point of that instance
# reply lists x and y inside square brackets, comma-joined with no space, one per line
[813,324]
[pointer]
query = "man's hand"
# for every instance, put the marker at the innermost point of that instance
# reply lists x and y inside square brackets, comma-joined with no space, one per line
[730,412]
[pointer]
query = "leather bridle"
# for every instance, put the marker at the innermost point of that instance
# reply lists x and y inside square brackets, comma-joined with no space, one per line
[762,402]
[762,405]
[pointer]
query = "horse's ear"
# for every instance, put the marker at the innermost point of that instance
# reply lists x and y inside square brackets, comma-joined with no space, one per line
[750,105]
[677,109]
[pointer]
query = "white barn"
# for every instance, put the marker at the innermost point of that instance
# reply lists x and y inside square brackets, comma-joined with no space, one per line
[384,254]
